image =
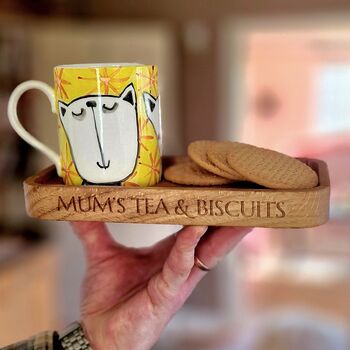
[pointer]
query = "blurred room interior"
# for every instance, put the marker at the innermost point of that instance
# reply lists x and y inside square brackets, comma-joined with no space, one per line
[271,73]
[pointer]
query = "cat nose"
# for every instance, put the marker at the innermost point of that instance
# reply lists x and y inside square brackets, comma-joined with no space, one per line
[90,104]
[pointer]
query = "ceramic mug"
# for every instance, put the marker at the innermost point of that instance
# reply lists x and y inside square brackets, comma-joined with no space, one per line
[108,123]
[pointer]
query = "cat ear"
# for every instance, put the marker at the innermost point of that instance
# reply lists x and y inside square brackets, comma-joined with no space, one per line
[150,102]
[62,108]
[129,95]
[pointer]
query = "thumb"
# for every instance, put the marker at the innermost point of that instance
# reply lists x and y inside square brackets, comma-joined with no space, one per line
[96,239]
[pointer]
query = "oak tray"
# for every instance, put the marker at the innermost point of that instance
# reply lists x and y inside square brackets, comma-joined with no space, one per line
[241,204]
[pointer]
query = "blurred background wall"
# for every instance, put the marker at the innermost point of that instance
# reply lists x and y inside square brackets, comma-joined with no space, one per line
[271,73]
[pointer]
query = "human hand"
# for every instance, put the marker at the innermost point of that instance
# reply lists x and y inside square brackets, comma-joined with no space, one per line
[129,295]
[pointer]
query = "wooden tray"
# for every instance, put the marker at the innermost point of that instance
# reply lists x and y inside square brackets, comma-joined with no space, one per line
[245,204]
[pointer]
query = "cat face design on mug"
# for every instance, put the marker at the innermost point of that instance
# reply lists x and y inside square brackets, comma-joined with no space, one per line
[102,131]
[153,112]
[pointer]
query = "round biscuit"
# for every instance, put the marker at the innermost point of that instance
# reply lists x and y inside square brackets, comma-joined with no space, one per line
[270,168]
[188,173]
[217,154]
[197,151]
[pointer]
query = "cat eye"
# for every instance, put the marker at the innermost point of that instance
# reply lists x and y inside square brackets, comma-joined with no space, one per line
[79,115]
[109,109]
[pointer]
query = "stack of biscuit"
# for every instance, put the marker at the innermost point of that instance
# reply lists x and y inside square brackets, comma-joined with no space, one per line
[222,162]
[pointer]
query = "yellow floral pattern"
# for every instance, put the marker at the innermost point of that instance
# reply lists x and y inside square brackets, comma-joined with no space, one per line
[71,83]
[69,172]
[108,80]
[59,84]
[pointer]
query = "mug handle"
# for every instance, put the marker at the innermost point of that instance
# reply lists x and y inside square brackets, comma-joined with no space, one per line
[18,127]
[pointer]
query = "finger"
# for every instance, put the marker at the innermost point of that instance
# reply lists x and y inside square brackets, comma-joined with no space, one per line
[177,267]
[216,244]
[96,238]
[160,251]
[179,264]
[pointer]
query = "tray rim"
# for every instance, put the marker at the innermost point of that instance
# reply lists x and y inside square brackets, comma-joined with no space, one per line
[321,169]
